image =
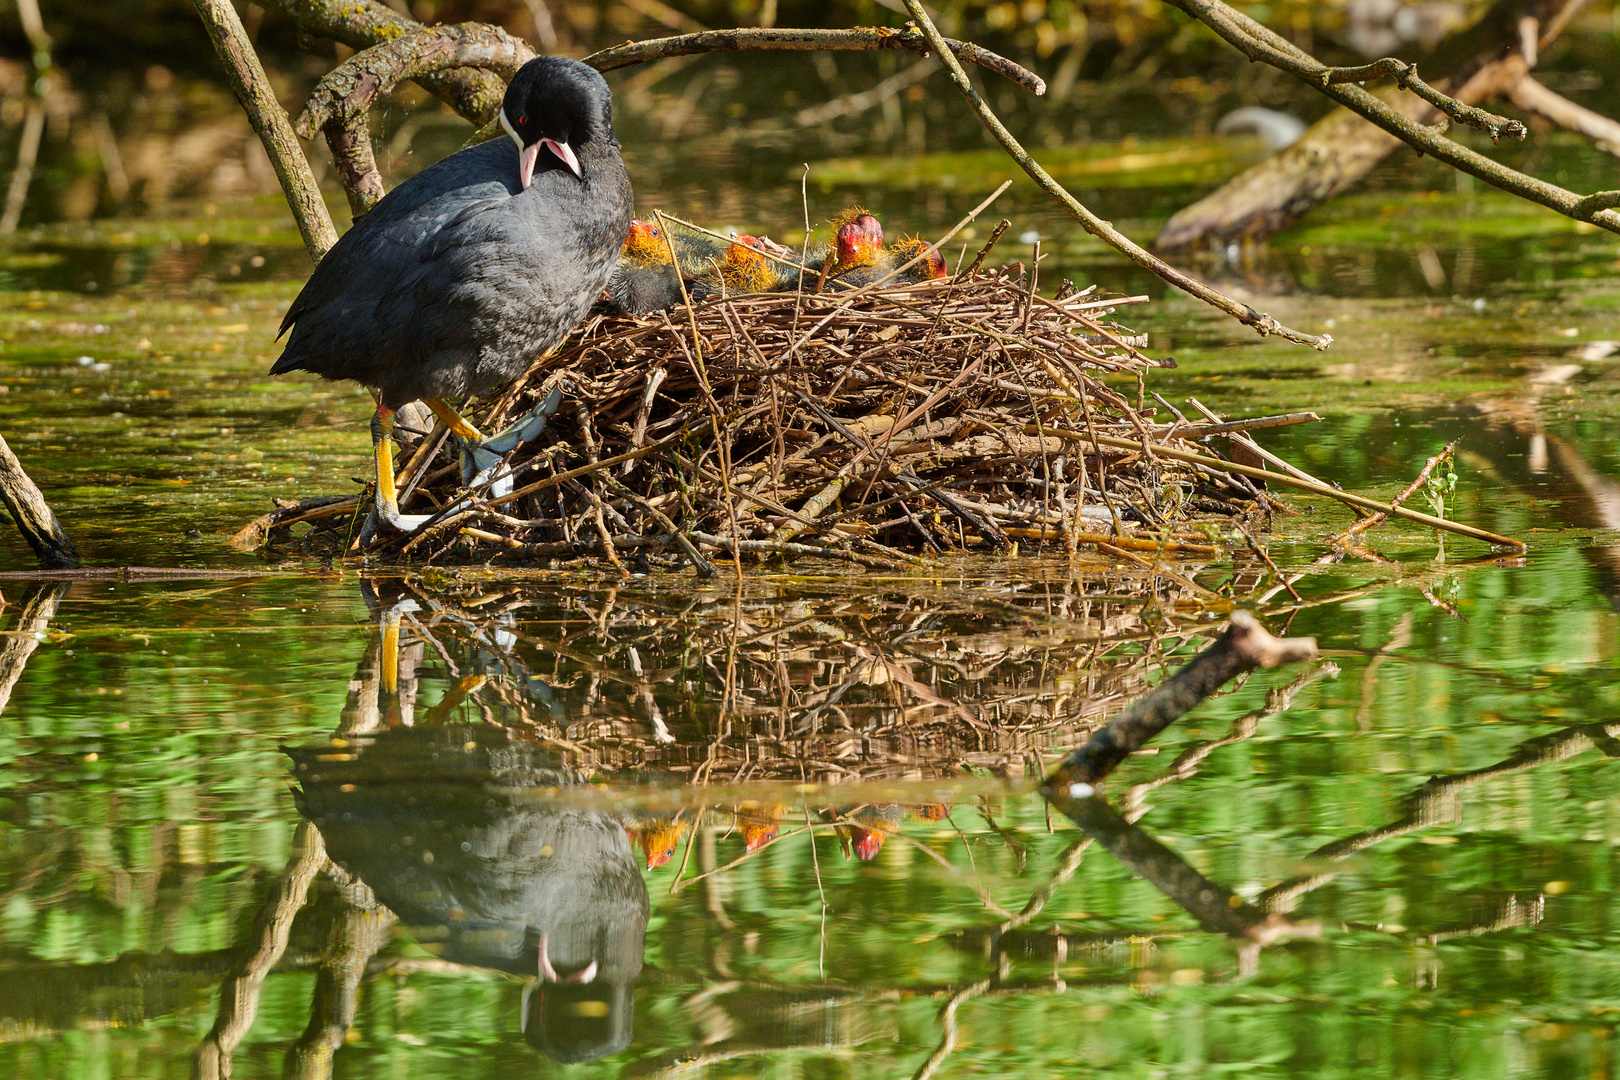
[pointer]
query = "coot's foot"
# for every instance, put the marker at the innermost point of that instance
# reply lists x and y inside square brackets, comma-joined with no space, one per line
[481,460]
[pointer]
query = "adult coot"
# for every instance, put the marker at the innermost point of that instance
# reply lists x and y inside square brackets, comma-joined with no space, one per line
[474,268]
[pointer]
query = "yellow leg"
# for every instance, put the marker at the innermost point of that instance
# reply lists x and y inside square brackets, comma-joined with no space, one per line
[382,445]
[453,420]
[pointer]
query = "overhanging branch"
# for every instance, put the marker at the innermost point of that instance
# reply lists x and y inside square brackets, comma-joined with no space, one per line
[1260,43]
[1262,323]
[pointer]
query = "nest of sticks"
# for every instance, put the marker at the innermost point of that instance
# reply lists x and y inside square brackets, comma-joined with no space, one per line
[874,426]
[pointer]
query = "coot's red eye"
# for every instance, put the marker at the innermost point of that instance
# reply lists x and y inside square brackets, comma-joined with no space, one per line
[524,119]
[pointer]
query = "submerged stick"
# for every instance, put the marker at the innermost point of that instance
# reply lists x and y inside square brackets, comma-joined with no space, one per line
[33,515]
[1244,646]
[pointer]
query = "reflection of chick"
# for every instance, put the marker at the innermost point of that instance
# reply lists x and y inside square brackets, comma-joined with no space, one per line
[657,835]
[644,279]
[760,825]
[863,829]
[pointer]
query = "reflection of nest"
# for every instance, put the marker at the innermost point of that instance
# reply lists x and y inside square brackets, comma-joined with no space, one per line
[755,690]
[864,425]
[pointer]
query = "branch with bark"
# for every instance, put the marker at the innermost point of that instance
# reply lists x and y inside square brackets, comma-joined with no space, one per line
[473,94]
[1244,646]
[1490,61]
[339,104]
[252,88]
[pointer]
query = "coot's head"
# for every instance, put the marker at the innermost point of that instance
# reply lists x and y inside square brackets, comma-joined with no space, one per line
[745,265]
[555,105]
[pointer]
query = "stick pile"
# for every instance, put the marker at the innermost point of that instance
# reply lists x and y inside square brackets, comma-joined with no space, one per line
[870,426]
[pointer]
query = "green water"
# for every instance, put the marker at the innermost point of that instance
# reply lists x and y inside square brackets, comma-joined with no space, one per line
[1435,809]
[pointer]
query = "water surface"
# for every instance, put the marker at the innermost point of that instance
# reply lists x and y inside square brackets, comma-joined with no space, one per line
[339,821]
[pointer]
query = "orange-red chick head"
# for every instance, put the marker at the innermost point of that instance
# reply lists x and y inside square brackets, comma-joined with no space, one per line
[932,266]
[645,243]
[858,243]
[744,267]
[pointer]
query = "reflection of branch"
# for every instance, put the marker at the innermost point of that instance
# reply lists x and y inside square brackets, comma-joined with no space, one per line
[1437,802]
[355,935]
[239,993]
[1072,788]
[1216,907]
[1512,914]
[1042,895]
[1186,765]
[32,622]
[1245,646]
[947,1019]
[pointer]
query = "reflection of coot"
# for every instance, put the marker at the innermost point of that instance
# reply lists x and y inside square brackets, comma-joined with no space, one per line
[452,828]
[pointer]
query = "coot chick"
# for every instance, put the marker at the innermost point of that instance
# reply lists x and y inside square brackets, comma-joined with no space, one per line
[932,266]
[474,268]
[644,279]
[856,250]
[745,267]
[864,262]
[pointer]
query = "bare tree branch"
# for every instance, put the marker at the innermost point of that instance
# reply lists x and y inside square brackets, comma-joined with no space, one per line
[341,100]
[269,119]
[474,95]
[351,88]
[856,39]
[1406,77]
[1260,43]
[1262,323]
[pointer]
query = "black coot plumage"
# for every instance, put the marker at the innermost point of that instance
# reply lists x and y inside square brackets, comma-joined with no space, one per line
[479,265]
